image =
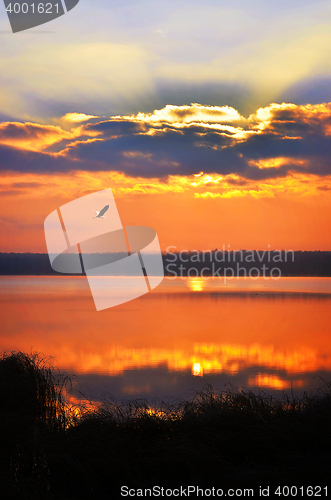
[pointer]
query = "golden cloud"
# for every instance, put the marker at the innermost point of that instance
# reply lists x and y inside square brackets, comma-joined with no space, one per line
[278,118]
[77,117]
[180,116]
[203,187]
[31,136]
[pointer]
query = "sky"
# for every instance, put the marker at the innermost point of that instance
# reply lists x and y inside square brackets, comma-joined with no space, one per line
[210,121]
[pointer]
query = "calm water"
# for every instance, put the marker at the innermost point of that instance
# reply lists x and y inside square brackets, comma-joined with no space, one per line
[182,335]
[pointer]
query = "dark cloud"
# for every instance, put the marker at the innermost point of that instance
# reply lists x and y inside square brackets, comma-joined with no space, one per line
[237,182]
[144,146]
[18,160]
[26,185]
[170,153]
[116,128]
[10,192]
[17,188]
[314,151]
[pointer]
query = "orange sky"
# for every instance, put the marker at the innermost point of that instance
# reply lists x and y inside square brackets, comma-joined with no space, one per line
[279,218]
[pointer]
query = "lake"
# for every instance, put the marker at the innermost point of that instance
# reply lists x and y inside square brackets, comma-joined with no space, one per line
[273,335]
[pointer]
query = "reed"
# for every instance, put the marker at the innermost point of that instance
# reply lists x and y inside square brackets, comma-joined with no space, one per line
[232,439]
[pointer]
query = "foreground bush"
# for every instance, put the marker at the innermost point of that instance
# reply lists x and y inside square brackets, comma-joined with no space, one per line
[232,440]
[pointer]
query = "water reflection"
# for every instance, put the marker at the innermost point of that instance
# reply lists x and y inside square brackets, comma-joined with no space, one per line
[173,339]
[273,382]
[196,284]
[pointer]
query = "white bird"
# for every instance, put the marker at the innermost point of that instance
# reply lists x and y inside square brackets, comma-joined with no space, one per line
[100,215]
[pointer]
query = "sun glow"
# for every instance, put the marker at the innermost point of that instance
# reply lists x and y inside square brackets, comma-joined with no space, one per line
[196,284]
[197,370]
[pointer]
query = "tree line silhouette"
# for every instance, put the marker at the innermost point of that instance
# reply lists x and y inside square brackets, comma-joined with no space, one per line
[197,263]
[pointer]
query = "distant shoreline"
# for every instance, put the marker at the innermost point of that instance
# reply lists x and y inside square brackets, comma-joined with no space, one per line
[194,264]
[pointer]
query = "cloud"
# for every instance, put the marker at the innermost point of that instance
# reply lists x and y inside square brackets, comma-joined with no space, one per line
[288,119]
[77,117]
[31,136]
[36,137]
[180,116]
[19,160]
[39,186]
[179,141]
[12,223]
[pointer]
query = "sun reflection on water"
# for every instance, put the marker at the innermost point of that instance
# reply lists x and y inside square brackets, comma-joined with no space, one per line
[197,370]
[273,382]
[196,284]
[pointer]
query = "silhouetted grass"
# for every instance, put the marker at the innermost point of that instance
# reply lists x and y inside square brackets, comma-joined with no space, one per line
[235,439]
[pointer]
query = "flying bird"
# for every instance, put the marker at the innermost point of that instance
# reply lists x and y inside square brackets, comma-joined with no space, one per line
[100,215]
